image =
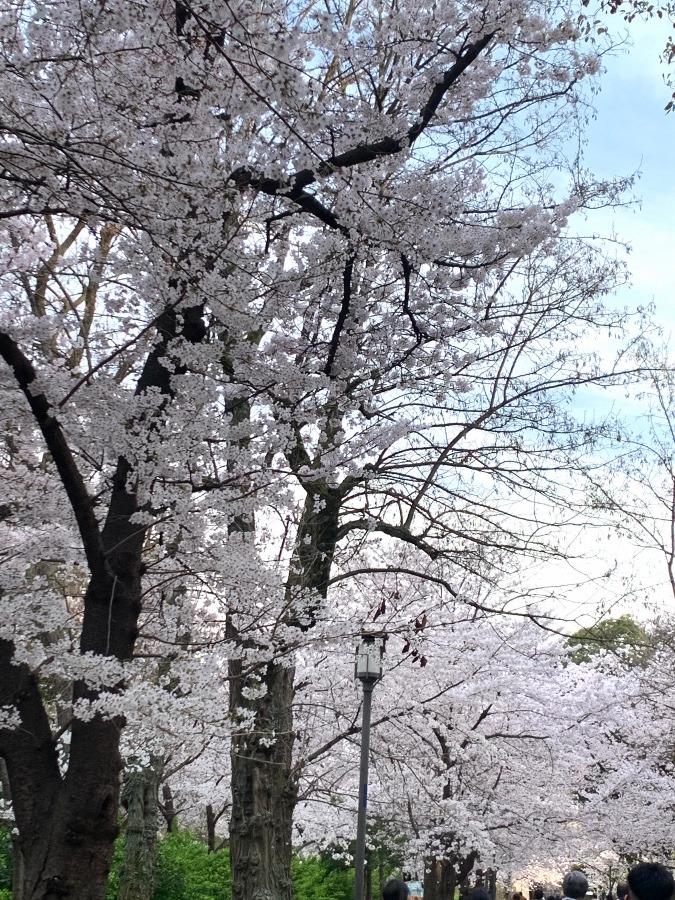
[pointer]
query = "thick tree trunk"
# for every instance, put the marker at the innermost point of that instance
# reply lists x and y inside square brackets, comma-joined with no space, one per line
[263,791]
[18,870]
[139,796]
[68,824]
[264,784]
[447,883]
[430,879]
[70,854]
[264,788]
[443,876]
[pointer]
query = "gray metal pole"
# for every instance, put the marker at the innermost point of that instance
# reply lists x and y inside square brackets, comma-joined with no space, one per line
[360,856]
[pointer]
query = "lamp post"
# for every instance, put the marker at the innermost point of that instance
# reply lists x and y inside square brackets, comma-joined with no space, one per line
[368,670]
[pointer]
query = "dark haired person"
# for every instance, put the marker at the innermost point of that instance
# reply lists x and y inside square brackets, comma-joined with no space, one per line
[395,890]
[621,890]
[538,894]
[575,885]
[478,893]
[650,881]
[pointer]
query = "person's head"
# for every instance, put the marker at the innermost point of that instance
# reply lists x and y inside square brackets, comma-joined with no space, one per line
[575,885]
[478,893]
[395,890]
[650,881]
[538,894]
[621,890]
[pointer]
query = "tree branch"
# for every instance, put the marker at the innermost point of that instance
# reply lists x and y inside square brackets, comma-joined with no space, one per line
[52,432]
[364,153]
[342,315]
[29,751]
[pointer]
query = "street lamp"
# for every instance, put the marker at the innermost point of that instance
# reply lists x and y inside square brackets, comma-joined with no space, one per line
[368,670]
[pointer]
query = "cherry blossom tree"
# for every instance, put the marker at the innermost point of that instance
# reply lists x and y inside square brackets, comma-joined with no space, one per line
[279,282]
[497,752]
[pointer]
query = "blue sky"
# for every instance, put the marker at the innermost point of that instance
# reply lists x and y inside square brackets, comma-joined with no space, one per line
[633,133]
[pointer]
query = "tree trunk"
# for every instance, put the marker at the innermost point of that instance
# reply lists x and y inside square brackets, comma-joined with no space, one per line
[139,796]
[210,828]
[168,808]
[430,879]
[262,782]
[447,882]
[492,883]
[264,785]
[212,819]
[443,876]
[18,870]
[68,824]
[263,792]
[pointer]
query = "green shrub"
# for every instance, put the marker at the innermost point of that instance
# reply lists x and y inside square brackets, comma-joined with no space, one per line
[6,863]
[116,868]
[318,878]
[187,871]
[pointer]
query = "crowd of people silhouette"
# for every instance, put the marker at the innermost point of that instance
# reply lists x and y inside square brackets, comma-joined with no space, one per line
[645,881]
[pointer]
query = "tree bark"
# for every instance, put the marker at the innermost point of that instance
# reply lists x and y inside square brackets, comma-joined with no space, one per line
[210,828]
[68,823]
[139,796]
[443,876]
[167,808]
[263,790]
[212,819]
[430,880]
[67,826]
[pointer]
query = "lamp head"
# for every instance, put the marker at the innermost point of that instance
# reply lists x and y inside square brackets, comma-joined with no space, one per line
[369,652]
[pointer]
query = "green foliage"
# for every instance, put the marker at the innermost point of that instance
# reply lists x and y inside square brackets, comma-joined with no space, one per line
[622,638]
[6,863]
[187,871]
[386,855]
[321,878]
[116,868]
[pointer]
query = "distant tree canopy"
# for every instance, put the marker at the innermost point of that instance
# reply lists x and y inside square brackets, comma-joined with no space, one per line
[622,637]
